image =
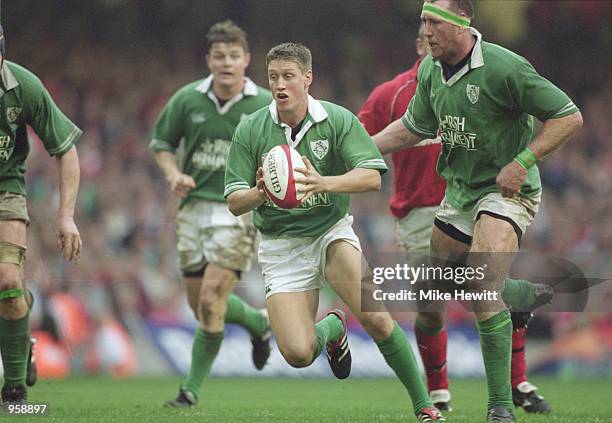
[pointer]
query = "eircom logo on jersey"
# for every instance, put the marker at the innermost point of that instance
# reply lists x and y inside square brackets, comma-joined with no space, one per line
[453,133]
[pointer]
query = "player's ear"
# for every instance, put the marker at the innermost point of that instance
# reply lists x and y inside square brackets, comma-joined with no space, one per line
[308,78]
[247,59]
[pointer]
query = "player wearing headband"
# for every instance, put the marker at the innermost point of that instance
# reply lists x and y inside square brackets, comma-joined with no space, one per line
[482,98]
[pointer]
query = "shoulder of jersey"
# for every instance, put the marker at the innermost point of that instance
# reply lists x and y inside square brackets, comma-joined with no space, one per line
[333,109]
[20,73]
[501,57]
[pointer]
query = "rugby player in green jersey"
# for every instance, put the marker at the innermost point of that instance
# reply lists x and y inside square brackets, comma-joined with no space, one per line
[214,246]
[483,99]
[26,102]
[304,247]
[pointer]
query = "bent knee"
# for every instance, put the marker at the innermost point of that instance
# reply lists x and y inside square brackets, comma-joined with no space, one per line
[211,302]
[298,357]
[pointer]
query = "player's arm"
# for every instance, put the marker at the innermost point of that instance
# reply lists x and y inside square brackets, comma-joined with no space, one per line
[552,136]
[354,181]
[243,185]
[555,133]
[538,97]
[58,135]
[69,239]
[167,133]
[395,137]
[244,200]
[180,183]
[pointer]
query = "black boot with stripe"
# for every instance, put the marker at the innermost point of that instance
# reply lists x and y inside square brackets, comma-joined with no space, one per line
[338,352]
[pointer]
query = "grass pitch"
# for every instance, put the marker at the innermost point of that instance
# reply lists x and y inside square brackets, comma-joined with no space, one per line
[295,400]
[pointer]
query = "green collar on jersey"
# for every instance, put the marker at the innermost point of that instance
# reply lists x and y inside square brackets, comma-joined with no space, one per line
[476,60]
[315,114]
[315,111]
[205,87]
[249,86]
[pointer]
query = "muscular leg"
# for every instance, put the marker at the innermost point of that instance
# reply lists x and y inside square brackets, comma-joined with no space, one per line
[14,323]
[211,299]
[343,270]
[237,311]
[492,235]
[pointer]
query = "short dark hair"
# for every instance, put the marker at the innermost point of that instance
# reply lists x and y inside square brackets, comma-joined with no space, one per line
[226,32]
[294,52]
[460,6]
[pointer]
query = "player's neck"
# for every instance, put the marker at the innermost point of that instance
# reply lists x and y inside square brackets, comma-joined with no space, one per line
[225,92]
[465,46]
[293,118]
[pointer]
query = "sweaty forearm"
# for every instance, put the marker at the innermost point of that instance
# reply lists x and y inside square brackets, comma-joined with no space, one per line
[69,177]
[555,133]
[395,137]
[354,181]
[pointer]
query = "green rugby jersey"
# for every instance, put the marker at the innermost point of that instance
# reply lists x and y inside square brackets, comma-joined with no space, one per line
[195,116]
[334,141]
[25,101]
[485,115]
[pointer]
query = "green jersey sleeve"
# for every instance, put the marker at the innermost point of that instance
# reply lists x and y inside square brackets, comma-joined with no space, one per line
[57,133]
[420,118]
[241,164]
[168,128]
[537,96]
[357,148]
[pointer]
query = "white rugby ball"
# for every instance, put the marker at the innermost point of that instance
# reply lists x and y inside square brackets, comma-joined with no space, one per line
[279,176]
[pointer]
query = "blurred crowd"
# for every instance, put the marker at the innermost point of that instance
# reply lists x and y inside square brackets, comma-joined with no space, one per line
[112,67]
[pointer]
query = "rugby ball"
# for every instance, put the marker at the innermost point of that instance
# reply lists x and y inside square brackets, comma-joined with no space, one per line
[279,176]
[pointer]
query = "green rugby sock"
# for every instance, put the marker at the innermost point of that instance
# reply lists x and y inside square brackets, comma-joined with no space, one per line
[399,356]
[240,313]
[14,347]
[518,294]
[328,329]
[496,345]
[203,353]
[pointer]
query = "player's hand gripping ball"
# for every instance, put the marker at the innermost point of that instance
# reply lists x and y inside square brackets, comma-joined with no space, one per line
[279,176]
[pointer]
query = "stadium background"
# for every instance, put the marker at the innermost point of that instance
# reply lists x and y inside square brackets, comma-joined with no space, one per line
[112,64]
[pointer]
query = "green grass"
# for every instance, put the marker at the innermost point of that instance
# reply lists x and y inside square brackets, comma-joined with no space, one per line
[296,400]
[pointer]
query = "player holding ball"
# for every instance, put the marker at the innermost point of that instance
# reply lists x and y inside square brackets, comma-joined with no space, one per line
[305,246]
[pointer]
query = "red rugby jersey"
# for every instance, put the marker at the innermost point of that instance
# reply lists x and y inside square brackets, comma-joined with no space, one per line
[415,181]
